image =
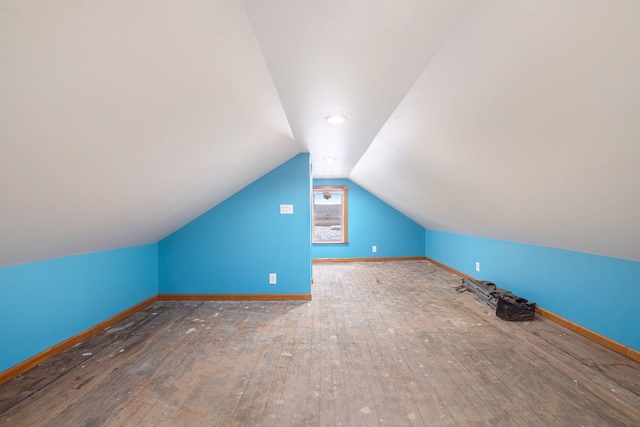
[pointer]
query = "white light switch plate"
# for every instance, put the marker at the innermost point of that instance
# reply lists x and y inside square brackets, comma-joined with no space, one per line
[286,209]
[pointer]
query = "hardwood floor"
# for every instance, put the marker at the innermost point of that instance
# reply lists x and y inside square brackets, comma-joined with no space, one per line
[381,343]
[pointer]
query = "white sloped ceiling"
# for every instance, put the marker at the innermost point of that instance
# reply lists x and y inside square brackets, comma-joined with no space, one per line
[525,126]
[121,121]
[356,58]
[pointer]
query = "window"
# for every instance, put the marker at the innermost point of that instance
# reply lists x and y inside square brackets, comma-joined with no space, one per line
[330,214]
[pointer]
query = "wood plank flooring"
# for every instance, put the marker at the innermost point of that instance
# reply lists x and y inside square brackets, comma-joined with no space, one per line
[380,344]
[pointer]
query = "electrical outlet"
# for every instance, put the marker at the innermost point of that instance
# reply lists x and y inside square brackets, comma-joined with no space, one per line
[374,249]
[477,266]
[273,278]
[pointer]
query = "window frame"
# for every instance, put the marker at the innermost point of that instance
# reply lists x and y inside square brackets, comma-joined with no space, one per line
[344,214]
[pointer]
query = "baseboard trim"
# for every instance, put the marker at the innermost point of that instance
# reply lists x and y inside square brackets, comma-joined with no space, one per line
[43,356]
[581,330]
[588,333]
[449,269]
[234,297]
[633,354]
[407,258]
[34,361]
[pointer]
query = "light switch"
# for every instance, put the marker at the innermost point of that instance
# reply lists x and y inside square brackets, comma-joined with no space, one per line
[286,209]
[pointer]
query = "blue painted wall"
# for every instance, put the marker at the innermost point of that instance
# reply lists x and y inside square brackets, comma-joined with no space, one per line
[43,303]
[372,222]
[597,292]
[232,248]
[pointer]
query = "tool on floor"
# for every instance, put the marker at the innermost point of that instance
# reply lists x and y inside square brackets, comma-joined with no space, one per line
[507,305]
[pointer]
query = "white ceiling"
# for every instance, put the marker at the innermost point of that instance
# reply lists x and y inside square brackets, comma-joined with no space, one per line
[355,58]
[121,121]
[525,126]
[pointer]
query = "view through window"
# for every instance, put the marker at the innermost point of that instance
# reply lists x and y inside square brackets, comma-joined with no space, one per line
[330,214]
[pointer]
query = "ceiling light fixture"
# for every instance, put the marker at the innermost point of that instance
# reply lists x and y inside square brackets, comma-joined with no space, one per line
[335,120]
[329,159]
[328,173]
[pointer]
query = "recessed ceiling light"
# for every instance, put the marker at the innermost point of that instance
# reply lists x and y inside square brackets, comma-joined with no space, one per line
[329,159]
[335,120]
[328,173]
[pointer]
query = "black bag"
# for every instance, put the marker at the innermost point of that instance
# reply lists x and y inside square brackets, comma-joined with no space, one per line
[510,307]
[507,305]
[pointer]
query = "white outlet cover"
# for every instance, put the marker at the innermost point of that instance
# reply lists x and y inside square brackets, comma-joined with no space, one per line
[286,209]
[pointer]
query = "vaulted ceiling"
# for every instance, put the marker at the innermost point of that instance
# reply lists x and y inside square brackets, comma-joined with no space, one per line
[121,121]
